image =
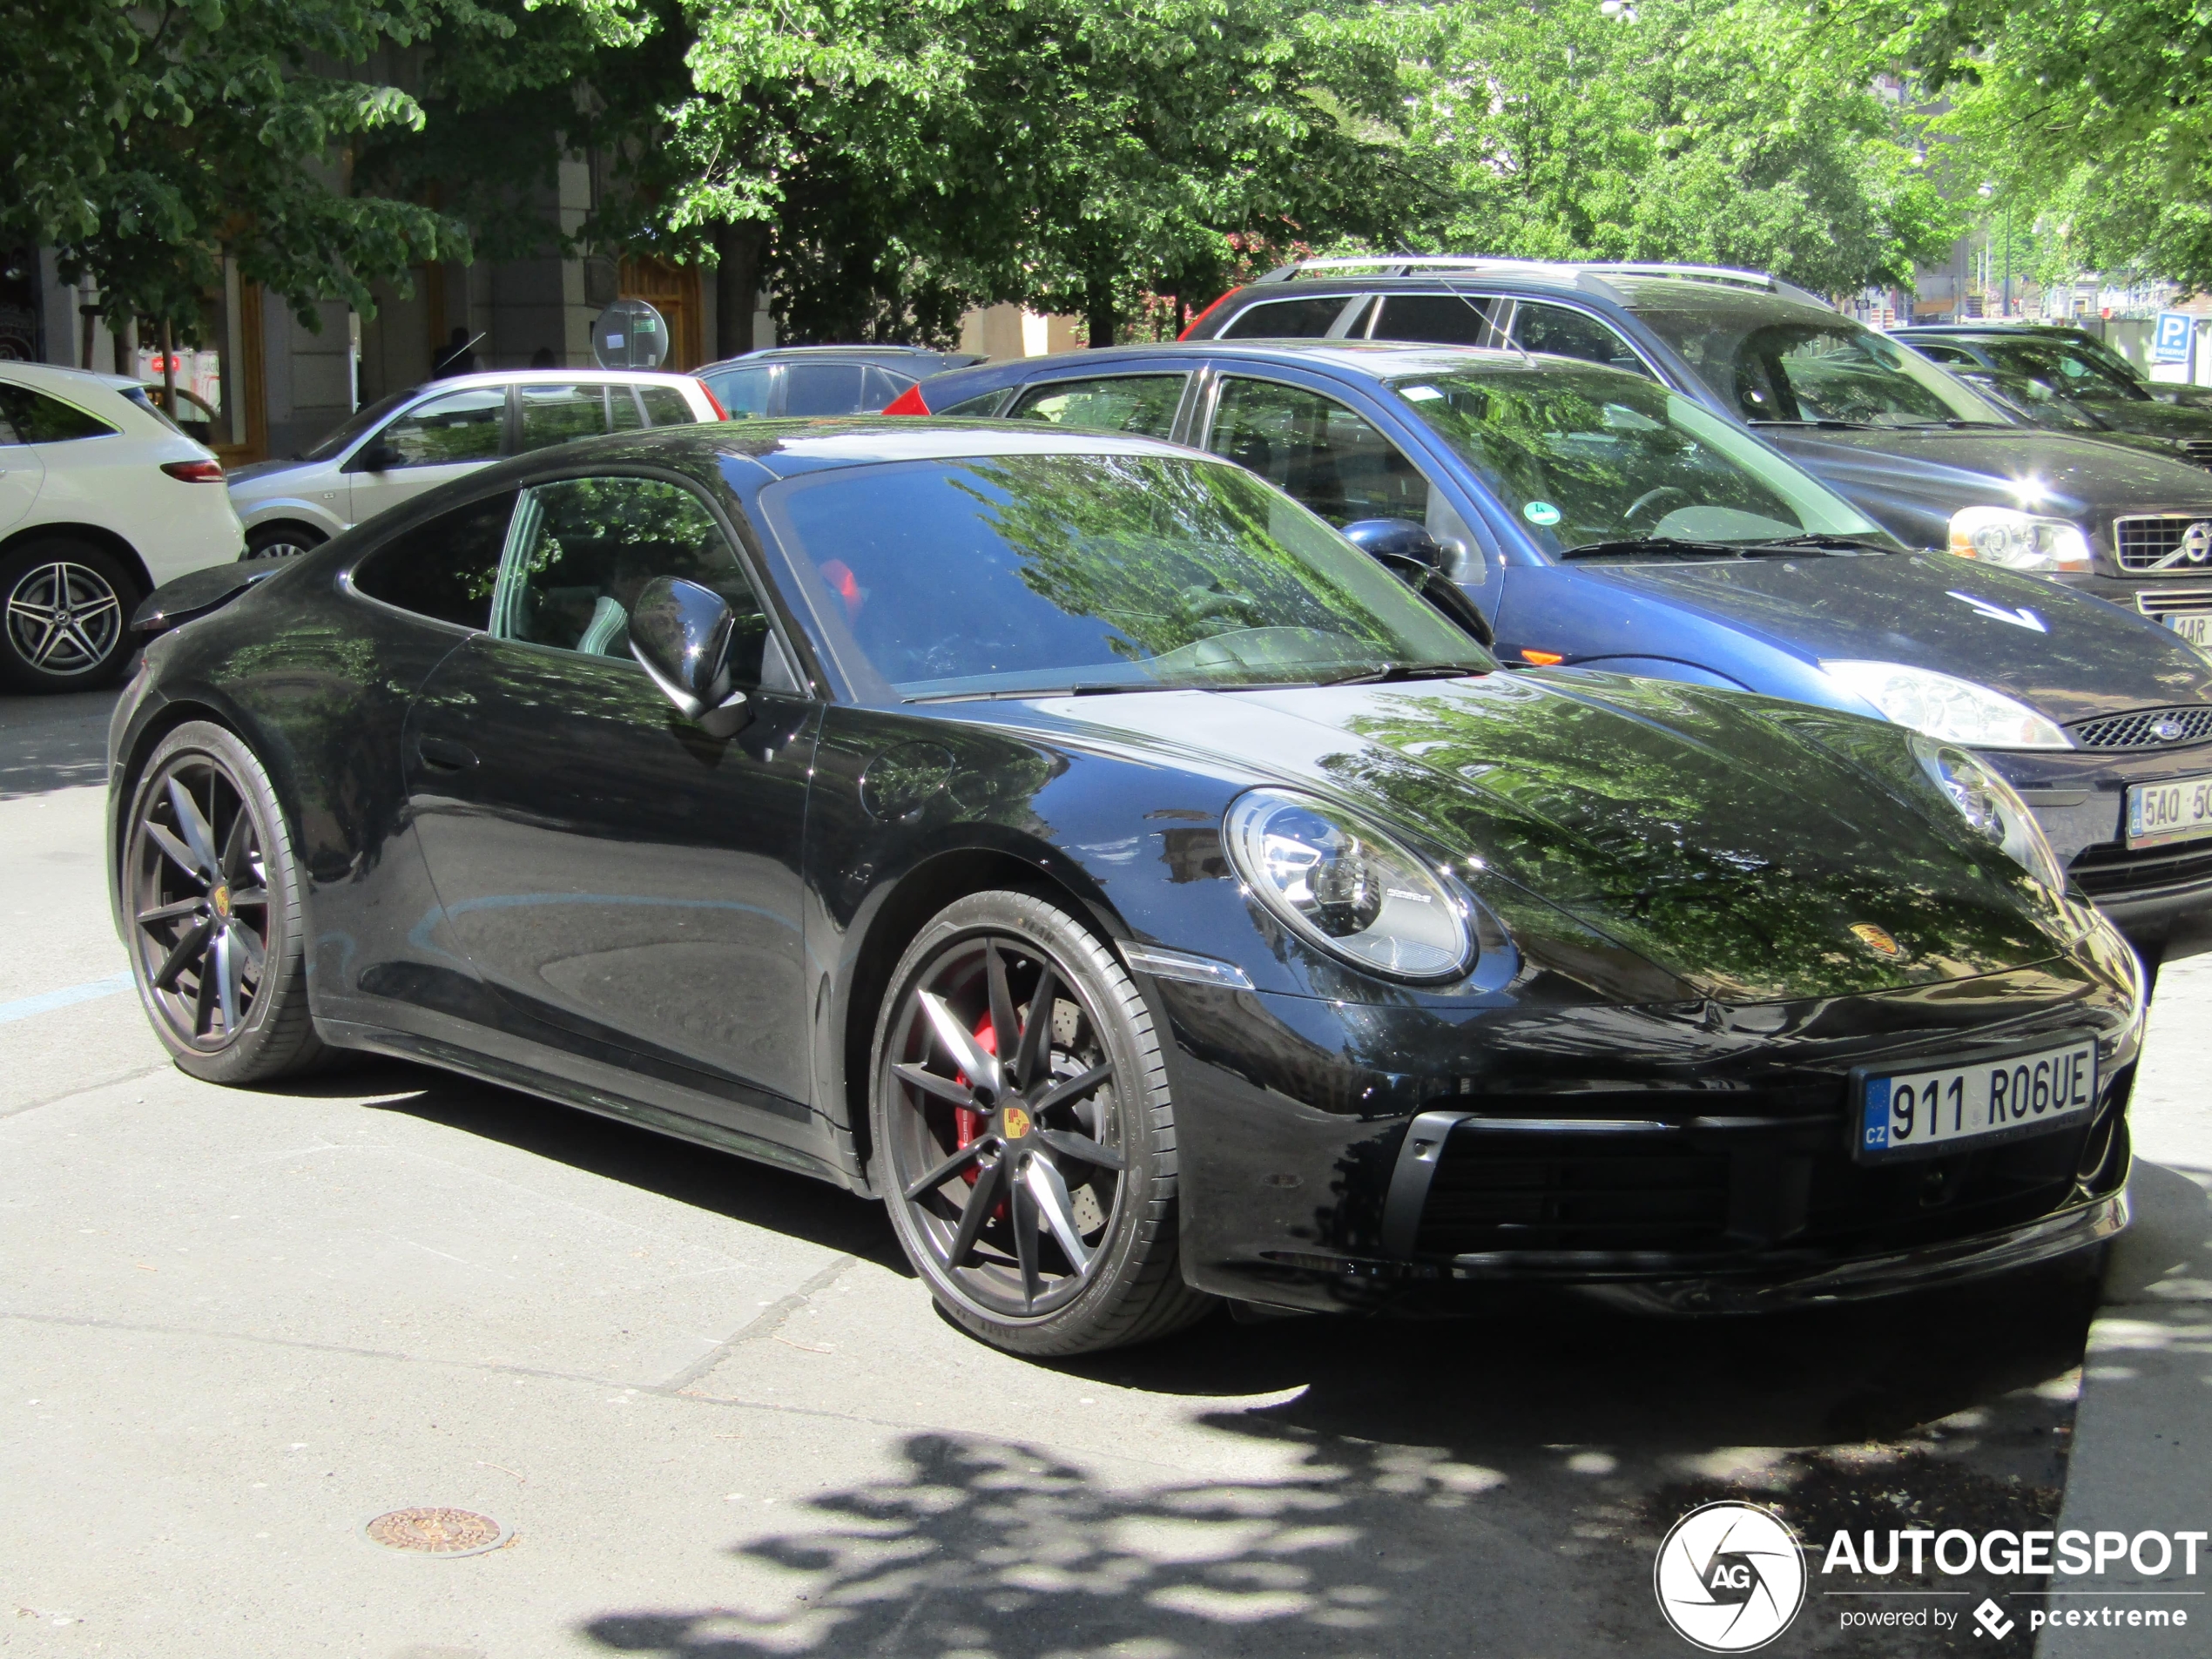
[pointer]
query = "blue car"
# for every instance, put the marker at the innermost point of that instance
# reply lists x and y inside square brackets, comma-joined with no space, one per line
[1595,519]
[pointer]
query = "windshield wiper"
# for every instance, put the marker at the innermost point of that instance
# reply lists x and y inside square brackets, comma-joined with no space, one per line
[1822,539]
[1827,422]
[1665,547]
[1088,687]
[1400,671]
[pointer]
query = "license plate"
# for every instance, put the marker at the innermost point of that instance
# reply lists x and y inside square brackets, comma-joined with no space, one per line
[2178,811]
[2195,626]
[1920,1114]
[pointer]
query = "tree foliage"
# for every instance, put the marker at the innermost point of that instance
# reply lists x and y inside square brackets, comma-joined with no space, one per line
[2099,114]
[1721,131]
[145,136]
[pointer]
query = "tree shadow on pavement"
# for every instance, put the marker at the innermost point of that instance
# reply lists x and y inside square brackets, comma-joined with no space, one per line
[1407,1490]
[48,743]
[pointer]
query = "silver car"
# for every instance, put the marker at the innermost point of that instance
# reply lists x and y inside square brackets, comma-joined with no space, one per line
[394,449]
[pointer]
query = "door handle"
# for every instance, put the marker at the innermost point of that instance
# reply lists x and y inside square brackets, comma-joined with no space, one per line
[443,754]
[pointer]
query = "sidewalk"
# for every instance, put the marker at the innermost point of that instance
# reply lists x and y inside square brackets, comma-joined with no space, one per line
[2143,1445]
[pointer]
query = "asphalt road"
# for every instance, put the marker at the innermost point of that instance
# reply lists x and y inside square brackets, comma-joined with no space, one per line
[720,1417]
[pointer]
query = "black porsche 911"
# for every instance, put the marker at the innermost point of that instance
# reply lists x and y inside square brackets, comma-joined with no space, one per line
[1078,845]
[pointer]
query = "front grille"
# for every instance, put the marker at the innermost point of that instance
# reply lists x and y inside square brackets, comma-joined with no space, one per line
[2144,541]
[2165,602]
[2146,728]
[2111,870]
[1497,1192]
[2198,449]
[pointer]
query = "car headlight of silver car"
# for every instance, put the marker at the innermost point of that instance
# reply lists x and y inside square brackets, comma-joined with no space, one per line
[1942,706]
[1347,888]
[1992,808]
[2020,541]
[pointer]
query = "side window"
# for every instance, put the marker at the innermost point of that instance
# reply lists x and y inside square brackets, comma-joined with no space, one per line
[1949,356]
[665,405]
[578,551]
[975,408]
[1288,318]
[460,427]
[1439,318]
[883,386]
[823,389]
[622,410]
[39,419]
[444,568]
[743,392]
[1140,403]
[1316,451]
[1538,326]
[556,415]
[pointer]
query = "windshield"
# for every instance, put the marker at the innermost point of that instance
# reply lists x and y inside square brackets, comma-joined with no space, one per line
[1034,575]
[2063,369]
[2097,352]
[1821,369]
[339,438]
[1586,454]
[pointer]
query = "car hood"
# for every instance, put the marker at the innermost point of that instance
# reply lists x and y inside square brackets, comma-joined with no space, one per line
[2061,652]
[1946,468]
[1733,841]
[2176,422]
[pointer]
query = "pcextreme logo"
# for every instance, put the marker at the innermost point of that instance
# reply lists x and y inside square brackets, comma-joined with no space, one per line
[1730,1577]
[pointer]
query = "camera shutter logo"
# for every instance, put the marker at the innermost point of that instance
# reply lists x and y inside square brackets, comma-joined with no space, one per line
[1730,1577]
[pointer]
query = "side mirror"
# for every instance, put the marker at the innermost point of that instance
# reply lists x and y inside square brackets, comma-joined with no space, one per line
[680,632]
[377,456]
[1396,538]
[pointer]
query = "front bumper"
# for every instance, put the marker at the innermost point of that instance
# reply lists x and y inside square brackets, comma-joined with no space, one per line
[1695,1159]
[2160,896]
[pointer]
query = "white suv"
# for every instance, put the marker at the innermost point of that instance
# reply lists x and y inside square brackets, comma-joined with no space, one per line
[101,500]
[396,449]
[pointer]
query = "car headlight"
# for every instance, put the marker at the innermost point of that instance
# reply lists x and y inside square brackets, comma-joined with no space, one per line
[1347,888]
[1992,808]
[2019,541]
[1942,706]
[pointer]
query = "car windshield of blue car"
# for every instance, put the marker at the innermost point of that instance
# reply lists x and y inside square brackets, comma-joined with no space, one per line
[1587,457]
[1817,370]
[1058,574]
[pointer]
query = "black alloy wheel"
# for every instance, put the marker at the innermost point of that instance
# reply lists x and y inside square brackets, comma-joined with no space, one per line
[68,609]
[212,902]
[283,541]
[1023,1132]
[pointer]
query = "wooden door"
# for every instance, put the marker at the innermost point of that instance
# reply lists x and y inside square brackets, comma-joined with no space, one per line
[673,290]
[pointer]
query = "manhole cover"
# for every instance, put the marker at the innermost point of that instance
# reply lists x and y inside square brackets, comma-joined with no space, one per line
[436,1532]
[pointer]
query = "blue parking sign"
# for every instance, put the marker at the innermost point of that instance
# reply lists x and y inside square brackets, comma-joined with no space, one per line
[2172,343]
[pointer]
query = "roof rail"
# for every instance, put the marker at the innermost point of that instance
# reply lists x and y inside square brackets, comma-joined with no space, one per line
[1568,270]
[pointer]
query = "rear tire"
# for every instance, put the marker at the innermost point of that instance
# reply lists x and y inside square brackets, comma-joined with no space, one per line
[67,615]
[212,912]
[1032,1182]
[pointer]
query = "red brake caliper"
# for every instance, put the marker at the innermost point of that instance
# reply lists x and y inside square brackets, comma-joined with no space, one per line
[967,1125]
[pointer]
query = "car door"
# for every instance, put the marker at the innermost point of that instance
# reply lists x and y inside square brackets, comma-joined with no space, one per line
[747,392]
[629,883]
[21,470]
[827,388]
[447,436]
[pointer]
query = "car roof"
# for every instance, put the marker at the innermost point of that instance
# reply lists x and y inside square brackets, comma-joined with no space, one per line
[1628,285]
[885,354]
[59,379]
[1369,359]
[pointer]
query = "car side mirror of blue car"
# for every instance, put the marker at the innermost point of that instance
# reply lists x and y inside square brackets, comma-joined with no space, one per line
[1395,538]
[680,634]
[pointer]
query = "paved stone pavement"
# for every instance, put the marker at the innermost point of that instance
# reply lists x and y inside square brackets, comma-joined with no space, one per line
[721,1418]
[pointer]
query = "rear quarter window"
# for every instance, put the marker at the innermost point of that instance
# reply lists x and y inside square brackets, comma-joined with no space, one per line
[37,418]
[1308,319]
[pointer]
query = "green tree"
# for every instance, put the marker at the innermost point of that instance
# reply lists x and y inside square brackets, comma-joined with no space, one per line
[1723,132]
[148,137]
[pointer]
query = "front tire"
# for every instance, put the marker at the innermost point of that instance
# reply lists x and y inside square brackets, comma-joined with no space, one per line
[211,906]
[67,623]
[283,541]
[1024,1135]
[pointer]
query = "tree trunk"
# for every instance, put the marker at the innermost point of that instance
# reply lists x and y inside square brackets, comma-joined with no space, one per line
[1098,306]
[169,371]
[123,323]
[739,249]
